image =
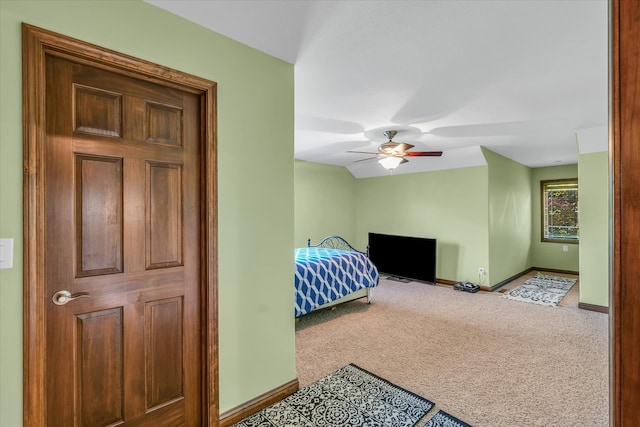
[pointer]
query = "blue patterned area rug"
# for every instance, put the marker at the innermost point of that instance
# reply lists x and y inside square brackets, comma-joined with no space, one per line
[350,396]
[443,419]
[542,289]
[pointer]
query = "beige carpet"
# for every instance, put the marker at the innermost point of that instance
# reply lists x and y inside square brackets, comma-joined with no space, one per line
[484,359]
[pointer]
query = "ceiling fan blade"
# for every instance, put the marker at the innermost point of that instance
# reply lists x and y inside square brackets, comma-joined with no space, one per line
[367,159]
[362,152]
[423,153]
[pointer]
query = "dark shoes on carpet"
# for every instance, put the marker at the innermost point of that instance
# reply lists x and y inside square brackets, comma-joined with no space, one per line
[466,287]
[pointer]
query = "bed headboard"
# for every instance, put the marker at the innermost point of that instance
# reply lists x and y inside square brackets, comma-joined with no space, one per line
[336,242]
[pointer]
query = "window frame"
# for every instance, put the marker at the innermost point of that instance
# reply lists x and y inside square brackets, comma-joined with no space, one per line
[543,213]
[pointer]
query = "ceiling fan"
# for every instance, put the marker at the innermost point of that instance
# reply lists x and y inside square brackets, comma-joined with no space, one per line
[392,154]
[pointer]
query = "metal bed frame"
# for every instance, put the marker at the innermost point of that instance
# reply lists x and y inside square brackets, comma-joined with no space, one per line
[337,242]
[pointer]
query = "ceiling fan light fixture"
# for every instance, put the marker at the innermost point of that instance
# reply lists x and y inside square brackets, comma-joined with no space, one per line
[392,154]
[390,163]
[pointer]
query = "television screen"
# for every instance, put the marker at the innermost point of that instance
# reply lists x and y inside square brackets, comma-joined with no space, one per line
[404,257]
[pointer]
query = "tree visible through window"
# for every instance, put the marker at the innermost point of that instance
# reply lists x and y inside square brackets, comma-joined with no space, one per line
[560,211]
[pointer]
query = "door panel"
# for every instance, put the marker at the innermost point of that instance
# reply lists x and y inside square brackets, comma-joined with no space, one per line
[117,161]
[99,337]
[163,358]
[163,123]
[98,215]
[164,215]
[96,111]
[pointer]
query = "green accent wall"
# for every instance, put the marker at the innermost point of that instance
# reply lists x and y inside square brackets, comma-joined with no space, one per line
[450,206]
[509,217]
[324,203]
[255,216]
[484,216]
[547,254]
[593,204]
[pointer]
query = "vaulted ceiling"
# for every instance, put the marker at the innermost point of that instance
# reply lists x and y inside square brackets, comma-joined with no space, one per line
[519,77]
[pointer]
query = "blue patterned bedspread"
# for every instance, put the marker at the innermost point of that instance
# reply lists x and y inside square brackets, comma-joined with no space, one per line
[323,275]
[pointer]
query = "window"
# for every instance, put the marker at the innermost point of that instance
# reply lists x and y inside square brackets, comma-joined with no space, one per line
[560,210]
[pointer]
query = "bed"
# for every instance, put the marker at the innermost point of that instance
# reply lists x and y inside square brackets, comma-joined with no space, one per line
[330,273]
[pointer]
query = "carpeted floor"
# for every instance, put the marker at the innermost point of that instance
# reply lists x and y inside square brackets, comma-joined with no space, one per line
[482,358]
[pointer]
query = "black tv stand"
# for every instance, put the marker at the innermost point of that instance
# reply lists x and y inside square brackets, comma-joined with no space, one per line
[398,279]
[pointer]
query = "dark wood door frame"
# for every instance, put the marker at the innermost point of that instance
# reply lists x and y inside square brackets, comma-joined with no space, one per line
[37,44]
[625,154]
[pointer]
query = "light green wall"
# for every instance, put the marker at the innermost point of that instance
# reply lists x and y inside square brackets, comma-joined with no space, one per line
[509,217]
[593,178]
[255,110]
[546,254]
[482,217]
[450,206]
[324,203]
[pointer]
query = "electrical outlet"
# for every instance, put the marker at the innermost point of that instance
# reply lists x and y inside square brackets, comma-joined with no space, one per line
[481,271]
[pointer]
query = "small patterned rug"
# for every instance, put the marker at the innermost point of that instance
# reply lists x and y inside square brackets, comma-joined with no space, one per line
[443,419]
[350,396]
[542,289]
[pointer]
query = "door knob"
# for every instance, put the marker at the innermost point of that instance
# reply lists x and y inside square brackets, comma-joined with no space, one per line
[63,297]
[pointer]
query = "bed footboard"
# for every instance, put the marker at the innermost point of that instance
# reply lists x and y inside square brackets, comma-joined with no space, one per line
[331,269]
[336,242]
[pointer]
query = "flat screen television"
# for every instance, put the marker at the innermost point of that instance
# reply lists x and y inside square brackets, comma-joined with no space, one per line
[404,257]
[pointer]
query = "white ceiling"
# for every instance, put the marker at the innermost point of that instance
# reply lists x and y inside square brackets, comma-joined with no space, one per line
[518,77]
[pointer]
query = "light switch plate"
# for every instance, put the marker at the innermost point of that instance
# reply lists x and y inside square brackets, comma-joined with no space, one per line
[6,253]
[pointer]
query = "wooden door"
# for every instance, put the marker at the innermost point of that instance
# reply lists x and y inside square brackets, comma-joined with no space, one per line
[124,231]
